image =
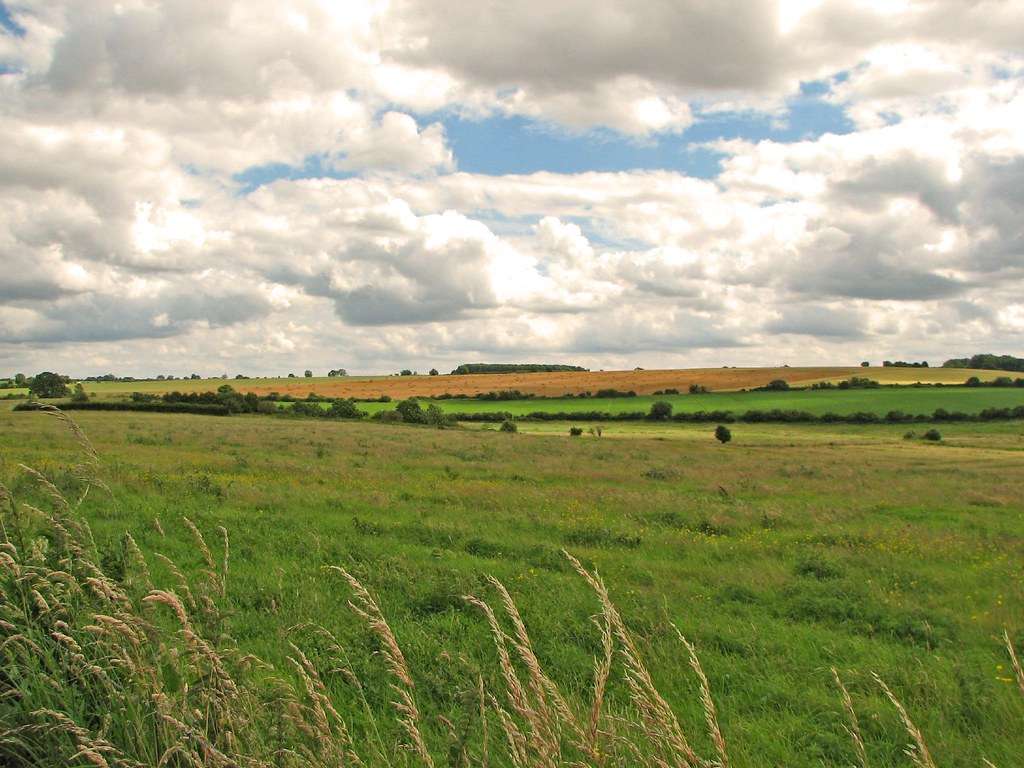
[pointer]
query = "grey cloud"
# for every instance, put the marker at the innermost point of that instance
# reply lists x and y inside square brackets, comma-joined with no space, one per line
[817,320]
[573,45]
[871,185]
[867,276]
[660,331]
[99,317]
[371,305]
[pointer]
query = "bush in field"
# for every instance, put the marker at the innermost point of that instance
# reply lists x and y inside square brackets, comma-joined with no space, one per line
[411,412]
[723,434]
[344,409]
[933,434]
[776,385]
[974,381]
[79,395]
[698,389]
[660,411]
[575,431]
[508,426]
[47,384]
[435,417]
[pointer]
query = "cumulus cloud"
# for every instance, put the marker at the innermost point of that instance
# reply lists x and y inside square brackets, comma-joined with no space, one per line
[125,229]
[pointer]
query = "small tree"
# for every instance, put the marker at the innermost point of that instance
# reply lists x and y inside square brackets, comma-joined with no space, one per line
[865,364]
[933,434]
[47,384]
[575,431]
[722,434]
[974,381]
[308,374]
[660,411]
[508,426]
[433,372]
[405,372]
[777,385]
[79,395]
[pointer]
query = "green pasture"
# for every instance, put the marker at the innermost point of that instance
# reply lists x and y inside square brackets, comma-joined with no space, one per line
[791,550]
[912,400]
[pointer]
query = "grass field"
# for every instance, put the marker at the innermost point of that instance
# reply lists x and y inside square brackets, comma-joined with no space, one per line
[880,401]
[547,384]
[788,551]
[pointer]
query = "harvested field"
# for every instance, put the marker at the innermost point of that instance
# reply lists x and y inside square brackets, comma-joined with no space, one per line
[643,382]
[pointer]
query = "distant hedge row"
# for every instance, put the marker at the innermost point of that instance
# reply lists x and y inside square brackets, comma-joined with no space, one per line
[467,368]
[204,409]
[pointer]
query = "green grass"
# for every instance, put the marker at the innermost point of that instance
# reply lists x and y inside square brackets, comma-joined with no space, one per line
[912,400]
[786,552]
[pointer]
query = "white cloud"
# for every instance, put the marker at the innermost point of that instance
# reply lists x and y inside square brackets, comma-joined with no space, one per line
[123,231]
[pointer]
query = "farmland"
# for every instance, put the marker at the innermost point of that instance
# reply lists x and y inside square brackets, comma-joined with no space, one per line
[543,384]
[786,552]
[910,400]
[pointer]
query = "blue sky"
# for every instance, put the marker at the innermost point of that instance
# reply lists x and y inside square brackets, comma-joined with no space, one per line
[503,144]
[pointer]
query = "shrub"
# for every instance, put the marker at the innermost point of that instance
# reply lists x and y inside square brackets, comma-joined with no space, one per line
[344,409]
[660,411]
[698,389]
[411,411]
[722,434]
[974,381]
[614,393]
[575,431]
[776,385]
[79,395]
[933,435]
[508,426]
[435,417]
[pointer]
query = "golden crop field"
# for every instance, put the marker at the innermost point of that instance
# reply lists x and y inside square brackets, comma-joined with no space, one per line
[643,382]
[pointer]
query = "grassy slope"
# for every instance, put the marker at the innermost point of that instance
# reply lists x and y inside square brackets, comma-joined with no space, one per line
[830,546]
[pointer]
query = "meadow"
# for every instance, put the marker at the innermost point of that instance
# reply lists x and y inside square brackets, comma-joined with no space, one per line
[789,551]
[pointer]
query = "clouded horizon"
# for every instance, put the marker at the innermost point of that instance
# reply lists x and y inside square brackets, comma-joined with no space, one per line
[264,187]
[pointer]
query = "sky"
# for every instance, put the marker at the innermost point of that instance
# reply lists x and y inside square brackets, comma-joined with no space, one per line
[266,186]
